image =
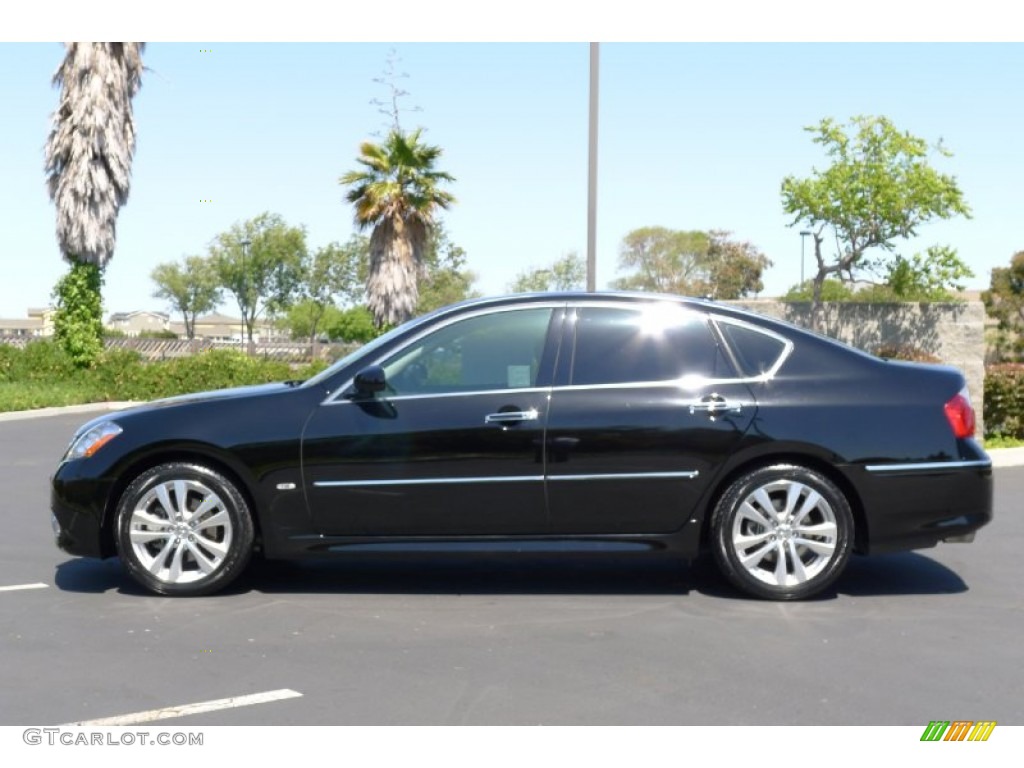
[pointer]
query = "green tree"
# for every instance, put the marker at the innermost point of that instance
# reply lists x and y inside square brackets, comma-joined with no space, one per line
[663,260]
[831,290]
[397,193]
[568,273]
[334,272]
[355,324]
[1004,300]
[734,268]
[88,160]
[265,276]
[690,263]
[879,189]
[190,287]
[444,278]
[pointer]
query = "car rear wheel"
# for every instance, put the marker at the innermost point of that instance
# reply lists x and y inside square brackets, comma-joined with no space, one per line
[183,529]
[782,532]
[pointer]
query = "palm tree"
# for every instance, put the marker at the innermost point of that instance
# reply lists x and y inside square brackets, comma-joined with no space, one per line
[397,192]
[88,166]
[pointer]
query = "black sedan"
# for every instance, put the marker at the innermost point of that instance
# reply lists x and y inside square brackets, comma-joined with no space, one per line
[555,422]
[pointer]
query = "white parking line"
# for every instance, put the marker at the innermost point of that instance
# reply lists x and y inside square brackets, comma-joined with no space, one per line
[37,585]
[193,709]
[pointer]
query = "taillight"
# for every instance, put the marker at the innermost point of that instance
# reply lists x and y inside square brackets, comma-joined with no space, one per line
[960,414]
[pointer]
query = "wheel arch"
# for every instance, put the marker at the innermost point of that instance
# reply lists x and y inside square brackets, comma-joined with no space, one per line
[200,454]
[794,458]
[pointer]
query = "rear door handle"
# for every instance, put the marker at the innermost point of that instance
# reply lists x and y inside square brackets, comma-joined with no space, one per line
[511,417]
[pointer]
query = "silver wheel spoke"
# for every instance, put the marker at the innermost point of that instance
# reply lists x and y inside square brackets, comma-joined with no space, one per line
[208,503]
[744,543]
[825,530]
[142,517]
[157,563]
[216,547]
[206,565]
[765,501]
[751,559]
[165,501]
[780,563]
[174,575]
[799,573]
[144,536]
[181,497]
[755,515]
[822,548]
[811,503]
[214,521]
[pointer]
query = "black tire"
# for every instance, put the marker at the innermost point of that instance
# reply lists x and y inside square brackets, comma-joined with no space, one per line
[791,551]
[192,549]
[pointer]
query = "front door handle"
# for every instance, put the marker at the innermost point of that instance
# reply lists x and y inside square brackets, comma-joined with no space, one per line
[714,404]
[511,417]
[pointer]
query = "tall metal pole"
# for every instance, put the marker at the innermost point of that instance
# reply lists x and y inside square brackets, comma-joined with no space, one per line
[592,175]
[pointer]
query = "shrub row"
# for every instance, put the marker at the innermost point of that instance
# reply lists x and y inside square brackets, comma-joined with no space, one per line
[43,367]
[1004,401]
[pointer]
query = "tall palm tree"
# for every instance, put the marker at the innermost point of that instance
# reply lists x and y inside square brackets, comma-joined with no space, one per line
[397,192]
[88,166]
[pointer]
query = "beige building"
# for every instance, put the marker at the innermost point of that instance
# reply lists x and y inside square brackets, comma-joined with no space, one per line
[138,322]
[39,323]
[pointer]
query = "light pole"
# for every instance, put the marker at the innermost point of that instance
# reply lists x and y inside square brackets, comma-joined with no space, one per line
[247,337]
[803,240]
[592,172]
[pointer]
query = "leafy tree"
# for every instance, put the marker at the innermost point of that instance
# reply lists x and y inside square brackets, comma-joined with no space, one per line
[333,272]
[190,287]
[878,189]
[1004,300]
[569,273]
[397,193]
[88,160]
[932,276]
[734,268]
[690,263]
[267,275]
[663,260]
[831,290]
[354,324]
[305,320]
[444,278]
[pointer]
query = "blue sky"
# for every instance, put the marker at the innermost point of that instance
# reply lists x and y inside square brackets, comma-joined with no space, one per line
[692,136]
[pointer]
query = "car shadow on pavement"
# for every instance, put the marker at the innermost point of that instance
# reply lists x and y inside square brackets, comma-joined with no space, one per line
[904,573]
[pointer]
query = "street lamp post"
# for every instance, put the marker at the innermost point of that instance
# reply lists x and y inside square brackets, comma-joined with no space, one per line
[245,243]
[803,240]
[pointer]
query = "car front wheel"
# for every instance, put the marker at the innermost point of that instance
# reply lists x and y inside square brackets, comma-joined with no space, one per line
[782,532]
[183,529]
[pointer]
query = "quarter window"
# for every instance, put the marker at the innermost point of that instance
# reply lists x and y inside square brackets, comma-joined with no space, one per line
[756,352]
[501,350]
[661,342]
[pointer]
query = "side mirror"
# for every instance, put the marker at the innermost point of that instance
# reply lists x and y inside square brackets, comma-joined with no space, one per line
[370,381]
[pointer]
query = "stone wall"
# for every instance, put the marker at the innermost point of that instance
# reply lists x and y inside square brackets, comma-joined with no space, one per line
[953,332]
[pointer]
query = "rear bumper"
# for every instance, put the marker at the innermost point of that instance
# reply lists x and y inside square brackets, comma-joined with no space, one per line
[918,505]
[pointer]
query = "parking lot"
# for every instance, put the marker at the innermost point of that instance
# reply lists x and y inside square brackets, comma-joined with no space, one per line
[901,640]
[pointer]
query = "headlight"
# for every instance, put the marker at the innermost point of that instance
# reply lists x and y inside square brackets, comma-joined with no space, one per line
[90,441]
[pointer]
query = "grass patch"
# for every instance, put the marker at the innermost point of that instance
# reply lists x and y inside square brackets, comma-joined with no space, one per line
[1002,441]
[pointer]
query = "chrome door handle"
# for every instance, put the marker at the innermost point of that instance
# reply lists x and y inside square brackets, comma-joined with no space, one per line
[507,417]
[715,404]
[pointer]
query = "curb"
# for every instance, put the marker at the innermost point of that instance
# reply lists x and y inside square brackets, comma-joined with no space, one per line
[1001,457]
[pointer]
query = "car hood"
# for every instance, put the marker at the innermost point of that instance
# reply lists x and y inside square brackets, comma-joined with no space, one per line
[233,393]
